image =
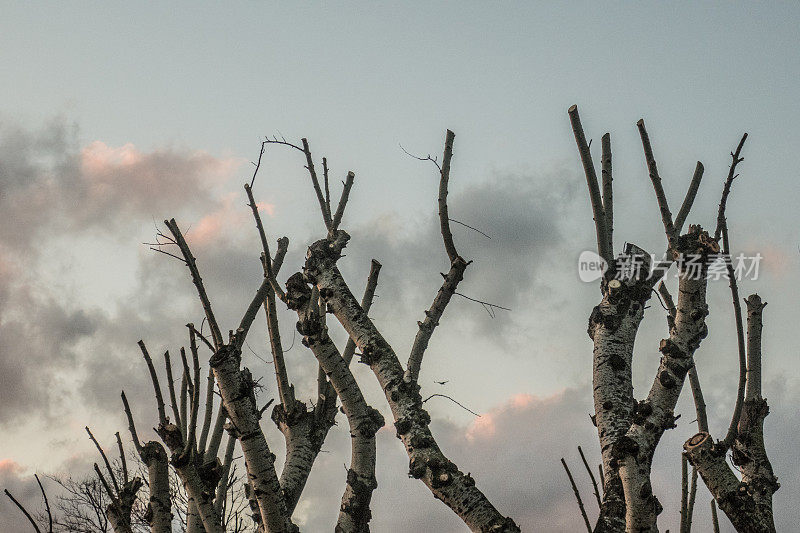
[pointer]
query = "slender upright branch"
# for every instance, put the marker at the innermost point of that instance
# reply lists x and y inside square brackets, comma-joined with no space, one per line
[191,263]
[47,502]
[326,214]
[162,414]
[594,187]
[736,159]
[444,219]
[348,184]
[722,229]
[208,413]
[131,425]
[24,511]
[105,460]
[688,200]
[663,206]
[591,476]
[608,192]
[366,304]
[451,280]
[171,387]
[577,496]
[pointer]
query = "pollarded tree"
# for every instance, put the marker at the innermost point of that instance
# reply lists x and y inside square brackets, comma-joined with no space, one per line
[630,430]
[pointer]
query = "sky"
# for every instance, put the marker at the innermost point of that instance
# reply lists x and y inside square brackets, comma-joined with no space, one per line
[116,116]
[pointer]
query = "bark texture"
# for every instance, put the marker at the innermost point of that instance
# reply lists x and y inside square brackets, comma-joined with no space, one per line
[236,388]
[364,421]
[426,461]
[654,415]
[746,502]
[159,506]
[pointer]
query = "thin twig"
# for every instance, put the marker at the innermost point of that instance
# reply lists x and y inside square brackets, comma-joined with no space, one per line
[486,305]
[46,502]
[452,400]
[24,511]
[258,165]
[591,476]
[105,459]
[470,227]
[426,158]
[577,496]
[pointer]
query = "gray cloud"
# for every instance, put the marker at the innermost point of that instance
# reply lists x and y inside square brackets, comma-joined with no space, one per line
[52,192]
[529,218]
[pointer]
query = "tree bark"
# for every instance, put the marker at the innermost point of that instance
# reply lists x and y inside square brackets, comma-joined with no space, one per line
[159,507]
[426,461]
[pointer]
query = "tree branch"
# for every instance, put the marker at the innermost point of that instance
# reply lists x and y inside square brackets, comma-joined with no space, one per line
[688,200]
[666,216]
[577,496]
[348,184]
[608,193]
[191,263]
[24,511]
[594,188]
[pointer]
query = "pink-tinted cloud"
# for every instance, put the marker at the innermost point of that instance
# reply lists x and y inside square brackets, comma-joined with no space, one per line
[128,179]
[225,222]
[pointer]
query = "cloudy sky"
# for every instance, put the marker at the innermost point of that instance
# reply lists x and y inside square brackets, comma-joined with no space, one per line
[115,117]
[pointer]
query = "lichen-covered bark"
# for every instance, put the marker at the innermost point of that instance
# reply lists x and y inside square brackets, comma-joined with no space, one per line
[734,497]
[426,461]
[159,506]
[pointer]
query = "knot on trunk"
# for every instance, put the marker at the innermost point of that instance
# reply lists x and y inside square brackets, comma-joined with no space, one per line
[669,348]
[297,291]
[153,452]
[289,417]
[171,435]
[624,447]
[225,353]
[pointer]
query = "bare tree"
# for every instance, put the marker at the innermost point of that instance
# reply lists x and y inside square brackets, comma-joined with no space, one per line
[629,430]
[209,497]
